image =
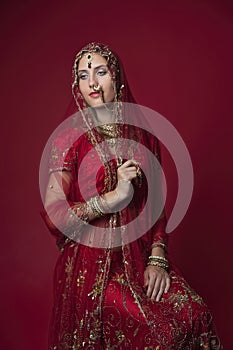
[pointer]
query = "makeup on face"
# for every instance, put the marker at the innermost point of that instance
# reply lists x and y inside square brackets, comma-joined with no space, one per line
[95,81]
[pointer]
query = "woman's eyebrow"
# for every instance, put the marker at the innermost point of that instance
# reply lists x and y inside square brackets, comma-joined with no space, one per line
[101,65]
[97,67]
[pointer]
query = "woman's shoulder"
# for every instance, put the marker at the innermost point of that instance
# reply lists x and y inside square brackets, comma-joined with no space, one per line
[68,138]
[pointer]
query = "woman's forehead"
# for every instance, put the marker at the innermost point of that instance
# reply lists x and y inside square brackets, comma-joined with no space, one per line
[91,59]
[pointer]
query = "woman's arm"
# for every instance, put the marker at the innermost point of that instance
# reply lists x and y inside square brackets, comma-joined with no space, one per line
[156,277]
[66,216]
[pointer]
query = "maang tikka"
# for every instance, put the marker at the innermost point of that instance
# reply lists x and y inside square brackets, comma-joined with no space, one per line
[89,57]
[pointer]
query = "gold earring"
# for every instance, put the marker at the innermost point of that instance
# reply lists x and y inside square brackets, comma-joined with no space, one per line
[119,97]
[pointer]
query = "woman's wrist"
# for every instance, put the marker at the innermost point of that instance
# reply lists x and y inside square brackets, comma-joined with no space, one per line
[158,251]
[159,261]
[95,207]
[158,258]
[116,200]
[160,244]
[111,199]
[88,211]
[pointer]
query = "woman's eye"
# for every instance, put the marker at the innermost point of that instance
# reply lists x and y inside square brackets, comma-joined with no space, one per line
[83,76]
[101,72]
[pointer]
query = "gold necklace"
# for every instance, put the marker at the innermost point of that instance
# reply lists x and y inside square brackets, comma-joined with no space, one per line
[109,132]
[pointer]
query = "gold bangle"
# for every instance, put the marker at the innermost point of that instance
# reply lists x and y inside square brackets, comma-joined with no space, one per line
[156,257]
[158,264]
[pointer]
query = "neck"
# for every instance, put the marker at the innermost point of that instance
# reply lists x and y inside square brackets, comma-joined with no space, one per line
[104,113]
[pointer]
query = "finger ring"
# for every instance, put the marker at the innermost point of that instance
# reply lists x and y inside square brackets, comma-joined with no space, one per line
[138,171]
[135,162]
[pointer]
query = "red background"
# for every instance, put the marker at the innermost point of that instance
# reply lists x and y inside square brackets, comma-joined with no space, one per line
[178,57]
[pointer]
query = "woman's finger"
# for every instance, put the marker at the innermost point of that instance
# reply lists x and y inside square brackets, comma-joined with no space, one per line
[128,163]
[127,174]
[125,164]
[127,170]
[168,284]
[146,278]
[161,290]
[151,284]
[156,287]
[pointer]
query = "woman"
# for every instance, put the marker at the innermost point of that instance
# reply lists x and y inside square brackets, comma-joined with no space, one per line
[114,287]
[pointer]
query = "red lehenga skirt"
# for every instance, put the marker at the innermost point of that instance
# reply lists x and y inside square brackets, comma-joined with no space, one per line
[95,307]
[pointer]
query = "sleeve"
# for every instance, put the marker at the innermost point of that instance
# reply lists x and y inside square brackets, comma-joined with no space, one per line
[160,237]
[57,213]
[62,155]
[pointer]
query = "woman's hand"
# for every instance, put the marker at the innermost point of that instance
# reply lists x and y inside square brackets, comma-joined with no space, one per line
[157,282]
[125,174]
[128,170]
[123,193]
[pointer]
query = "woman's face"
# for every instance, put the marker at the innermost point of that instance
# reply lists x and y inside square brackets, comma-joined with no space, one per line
[93,71]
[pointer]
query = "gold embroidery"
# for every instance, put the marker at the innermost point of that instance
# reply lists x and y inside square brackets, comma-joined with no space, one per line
[120,278]
[136,332]
[97,287]
[120,335]
[81,278]
[54,153]
[195,297]
[94,335]
[69,269]
[179,299]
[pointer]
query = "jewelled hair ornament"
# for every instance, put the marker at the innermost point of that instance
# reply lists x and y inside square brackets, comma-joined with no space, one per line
[89,57]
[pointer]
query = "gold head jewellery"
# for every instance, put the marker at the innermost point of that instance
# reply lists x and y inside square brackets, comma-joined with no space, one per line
[89,57]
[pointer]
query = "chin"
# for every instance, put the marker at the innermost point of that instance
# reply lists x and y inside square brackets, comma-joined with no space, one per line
[96,104]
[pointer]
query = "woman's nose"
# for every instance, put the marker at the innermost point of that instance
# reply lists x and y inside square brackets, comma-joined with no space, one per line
[93,81]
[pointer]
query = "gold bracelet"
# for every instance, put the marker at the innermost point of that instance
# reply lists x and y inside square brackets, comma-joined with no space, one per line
[156,257]
[159,264]
[159,261]
[97,206]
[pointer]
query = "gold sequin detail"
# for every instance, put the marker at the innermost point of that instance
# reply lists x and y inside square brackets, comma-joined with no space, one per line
[119,278]
[81,278]
[97,287]
[179,299]
[120,335]
[69,269]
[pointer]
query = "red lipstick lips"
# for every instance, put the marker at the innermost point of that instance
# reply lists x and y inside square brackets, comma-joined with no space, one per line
[94,94]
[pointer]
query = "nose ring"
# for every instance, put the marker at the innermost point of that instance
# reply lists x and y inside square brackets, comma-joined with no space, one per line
[97,88]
